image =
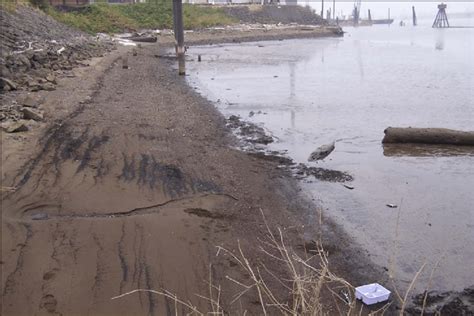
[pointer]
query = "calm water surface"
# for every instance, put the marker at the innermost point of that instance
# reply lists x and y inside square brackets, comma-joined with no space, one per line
[350,89]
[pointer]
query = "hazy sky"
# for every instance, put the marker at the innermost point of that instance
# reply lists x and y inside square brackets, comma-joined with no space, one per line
[398,9]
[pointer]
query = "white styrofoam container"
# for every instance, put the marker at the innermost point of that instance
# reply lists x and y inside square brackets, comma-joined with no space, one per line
[372,293]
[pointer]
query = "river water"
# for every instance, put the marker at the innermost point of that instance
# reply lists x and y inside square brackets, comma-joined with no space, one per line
[310,92]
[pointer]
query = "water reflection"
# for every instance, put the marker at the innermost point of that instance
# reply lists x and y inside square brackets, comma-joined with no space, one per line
[359,59]
[420,150]
[370,80]
[439,39]
[292,93]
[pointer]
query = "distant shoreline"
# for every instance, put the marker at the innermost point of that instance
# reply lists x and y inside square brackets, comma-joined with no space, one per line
[235,35]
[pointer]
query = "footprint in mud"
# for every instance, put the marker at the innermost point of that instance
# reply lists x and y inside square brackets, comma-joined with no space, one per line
[48,306]
[49,275]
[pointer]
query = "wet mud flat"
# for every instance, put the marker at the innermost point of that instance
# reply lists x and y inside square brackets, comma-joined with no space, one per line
[131,182]
[253,140]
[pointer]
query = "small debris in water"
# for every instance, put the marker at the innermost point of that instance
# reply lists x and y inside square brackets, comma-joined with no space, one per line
[392,205]
[350,187]
[372,293]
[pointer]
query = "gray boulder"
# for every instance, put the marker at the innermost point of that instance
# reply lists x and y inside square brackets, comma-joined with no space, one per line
[31,114]
[14,127]
[7,84]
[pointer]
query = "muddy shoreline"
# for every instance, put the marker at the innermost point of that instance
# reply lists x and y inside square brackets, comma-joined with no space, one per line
[131,183]
[446,302]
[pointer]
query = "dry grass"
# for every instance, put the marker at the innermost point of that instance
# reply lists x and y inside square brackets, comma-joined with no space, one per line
[7,189]
[255,7]
[308,281]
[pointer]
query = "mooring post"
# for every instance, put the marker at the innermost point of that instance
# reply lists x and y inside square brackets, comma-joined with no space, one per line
[370,16]
[322,9]
[179,34]
[334,9]
[356,15]
[414,16]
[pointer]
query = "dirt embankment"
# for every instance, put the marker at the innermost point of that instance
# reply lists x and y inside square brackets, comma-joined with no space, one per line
[35,49]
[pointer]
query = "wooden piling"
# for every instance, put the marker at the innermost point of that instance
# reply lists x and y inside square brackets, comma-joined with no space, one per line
[179,35]
[125,62]
[414,16]
[322,9]
[334,10]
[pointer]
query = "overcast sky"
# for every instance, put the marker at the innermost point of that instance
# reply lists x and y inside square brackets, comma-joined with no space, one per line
[398,9]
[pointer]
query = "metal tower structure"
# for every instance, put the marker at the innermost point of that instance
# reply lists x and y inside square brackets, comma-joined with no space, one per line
[441,19]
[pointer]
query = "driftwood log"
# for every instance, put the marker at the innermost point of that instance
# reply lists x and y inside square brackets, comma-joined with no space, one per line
[143,39]
[428,136]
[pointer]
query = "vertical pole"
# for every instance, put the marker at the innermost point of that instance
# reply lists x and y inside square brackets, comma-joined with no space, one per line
[334,9]
[356,15]
[322,9]
[370,16]
[414,15]
[179,34]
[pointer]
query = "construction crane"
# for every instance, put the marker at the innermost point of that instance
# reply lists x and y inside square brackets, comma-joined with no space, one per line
[356,12]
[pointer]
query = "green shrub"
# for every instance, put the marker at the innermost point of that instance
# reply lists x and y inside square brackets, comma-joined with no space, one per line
[114,18]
